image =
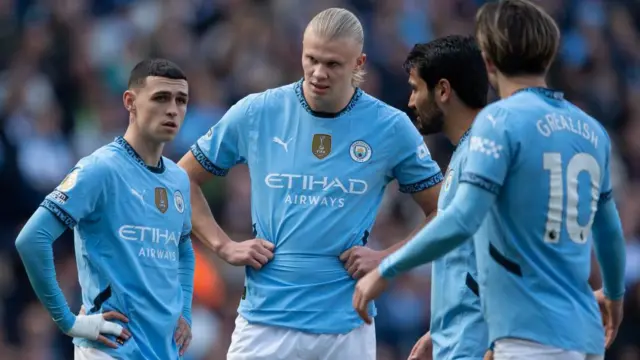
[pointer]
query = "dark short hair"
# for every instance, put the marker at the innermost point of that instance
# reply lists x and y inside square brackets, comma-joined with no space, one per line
[457,59]
[518,36]
[154,67]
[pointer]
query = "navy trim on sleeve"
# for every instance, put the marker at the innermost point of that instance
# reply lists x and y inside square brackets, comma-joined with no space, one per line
[206,163]
[185,237]
[482,182]
[423,184]
[605,196]
[62,215]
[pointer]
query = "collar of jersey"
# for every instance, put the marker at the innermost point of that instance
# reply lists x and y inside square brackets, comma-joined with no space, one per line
[463,138]
[300,94]
[550,93]
[134,155]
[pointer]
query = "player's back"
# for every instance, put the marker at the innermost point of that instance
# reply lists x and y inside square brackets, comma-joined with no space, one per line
[534,247]
[128,221]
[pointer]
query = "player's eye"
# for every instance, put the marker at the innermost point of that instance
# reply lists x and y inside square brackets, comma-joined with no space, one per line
[161,98]
[312,60]
[181,101]
[333,64]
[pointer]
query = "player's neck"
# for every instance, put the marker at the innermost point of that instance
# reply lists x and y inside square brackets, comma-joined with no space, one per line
[457,123]
[509,85]
[327,107]
[150,152]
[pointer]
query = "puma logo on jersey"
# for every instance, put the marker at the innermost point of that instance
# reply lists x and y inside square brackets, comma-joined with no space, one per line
[279,141]
[137,194]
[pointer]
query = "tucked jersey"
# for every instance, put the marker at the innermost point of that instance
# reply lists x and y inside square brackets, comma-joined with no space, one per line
[457,327]
[128,221]
[548,163]
[316,185]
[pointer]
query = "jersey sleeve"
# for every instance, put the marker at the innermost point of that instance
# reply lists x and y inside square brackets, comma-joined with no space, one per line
[225,144]
[606,188]
[79,193]
[489,154]
[415,170]
[186,227]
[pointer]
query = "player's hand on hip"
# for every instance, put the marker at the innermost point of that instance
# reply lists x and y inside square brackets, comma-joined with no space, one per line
[96,326]
[423,349]
[255,253]
[612,313]
[367,289]
[360,260]
[183,335]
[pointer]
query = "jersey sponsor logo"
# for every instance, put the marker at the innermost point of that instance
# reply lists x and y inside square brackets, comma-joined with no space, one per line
[321,145]
[178,201]
[155,243]
[69,181]
[360,151]
[485,146]
[312,190]
[161,199]
[422,151]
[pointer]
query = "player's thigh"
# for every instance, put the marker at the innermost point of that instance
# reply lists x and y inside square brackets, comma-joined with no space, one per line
[258,342]
[358,344]
[86,353]
[516,349]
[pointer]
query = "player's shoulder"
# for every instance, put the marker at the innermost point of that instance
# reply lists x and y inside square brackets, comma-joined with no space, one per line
[268,100]
[381,113]
[589,120]
[175,171]
[101,162]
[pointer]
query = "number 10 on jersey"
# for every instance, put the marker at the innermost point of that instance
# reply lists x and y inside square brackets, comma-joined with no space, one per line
[556,210]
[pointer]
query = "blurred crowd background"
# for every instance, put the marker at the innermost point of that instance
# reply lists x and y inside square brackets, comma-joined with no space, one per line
[64,65]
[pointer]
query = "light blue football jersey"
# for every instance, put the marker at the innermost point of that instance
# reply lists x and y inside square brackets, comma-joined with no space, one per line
[317,181]
[129,221]
[457,327]
[548,163]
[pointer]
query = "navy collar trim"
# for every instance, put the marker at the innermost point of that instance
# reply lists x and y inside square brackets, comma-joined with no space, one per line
[303,102]
[463,138]
[550,93]
[135,156]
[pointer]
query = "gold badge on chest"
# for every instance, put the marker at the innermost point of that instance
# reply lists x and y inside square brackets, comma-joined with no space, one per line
[162,200]
[321,145]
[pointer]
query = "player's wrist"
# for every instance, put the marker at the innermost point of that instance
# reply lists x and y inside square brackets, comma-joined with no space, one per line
[386,269]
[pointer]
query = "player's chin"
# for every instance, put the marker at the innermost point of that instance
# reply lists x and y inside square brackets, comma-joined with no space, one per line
[166,134]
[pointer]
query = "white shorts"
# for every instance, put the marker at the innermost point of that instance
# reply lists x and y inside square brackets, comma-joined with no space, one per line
[258,342]
[516,349]
[87,353]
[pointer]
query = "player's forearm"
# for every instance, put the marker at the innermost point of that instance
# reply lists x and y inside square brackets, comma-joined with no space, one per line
[446,232]
[34,244]
[610,249]
[204,226]
[186,270]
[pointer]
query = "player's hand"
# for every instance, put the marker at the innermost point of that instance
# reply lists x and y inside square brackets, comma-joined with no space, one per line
[255,253]
[423,349]
[612,313]
[96,326]
[488,355]
[183,335]
[367,289]
[360,260]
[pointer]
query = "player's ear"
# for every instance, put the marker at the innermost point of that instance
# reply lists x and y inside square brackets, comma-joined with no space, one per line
[129,100]
[489,64]
[443,90]
[360,61]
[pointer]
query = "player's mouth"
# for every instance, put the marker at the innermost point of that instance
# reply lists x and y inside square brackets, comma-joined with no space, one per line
[170,125]
[319,89]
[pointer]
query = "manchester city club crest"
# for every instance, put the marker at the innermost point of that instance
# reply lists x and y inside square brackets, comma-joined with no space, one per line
[162,201]
[321,145]
[178,201]
[360,151]
[449,180]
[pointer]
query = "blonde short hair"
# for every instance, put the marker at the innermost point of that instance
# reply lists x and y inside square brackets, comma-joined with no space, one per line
[518,36]
[337,23]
